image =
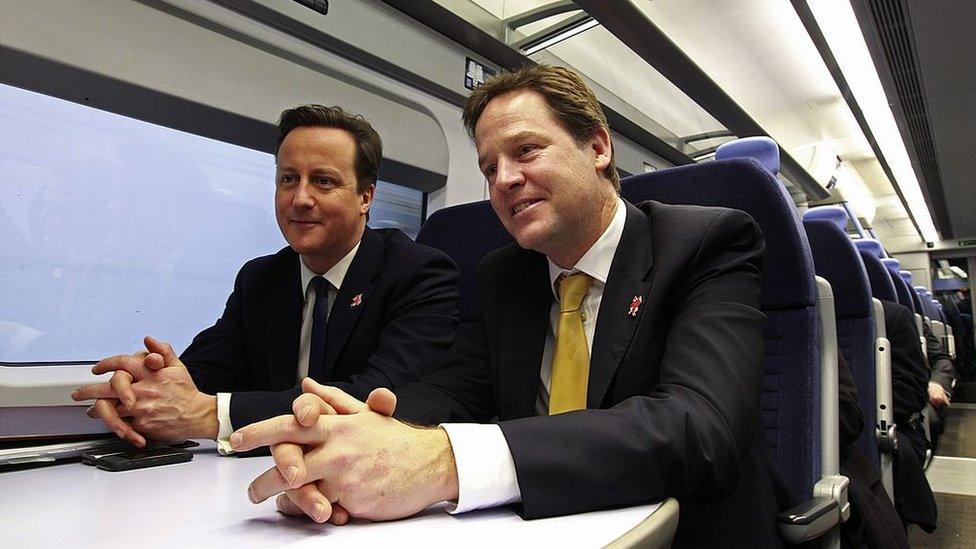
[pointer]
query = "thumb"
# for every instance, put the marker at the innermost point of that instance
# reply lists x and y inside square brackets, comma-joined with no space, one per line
[382,401]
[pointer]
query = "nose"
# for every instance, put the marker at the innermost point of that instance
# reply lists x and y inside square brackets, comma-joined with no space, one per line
[508,175]
[302,197]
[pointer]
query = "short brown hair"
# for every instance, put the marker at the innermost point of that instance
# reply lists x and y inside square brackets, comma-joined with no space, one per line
[570,100]
[369,146]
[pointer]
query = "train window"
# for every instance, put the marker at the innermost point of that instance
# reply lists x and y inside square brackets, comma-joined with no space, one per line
[112,228]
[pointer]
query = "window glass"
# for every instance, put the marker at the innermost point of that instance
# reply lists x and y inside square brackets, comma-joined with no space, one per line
[112,228]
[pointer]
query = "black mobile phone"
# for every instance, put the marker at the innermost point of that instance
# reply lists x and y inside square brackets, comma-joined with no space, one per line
[138,459]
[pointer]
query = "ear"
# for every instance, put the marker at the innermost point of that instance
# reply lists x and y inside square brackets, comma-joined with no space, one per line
[367,199]
[602,148]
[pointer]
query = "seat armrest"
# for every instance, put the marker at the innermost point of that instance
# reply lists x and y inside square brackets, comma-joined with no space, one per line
[809,520]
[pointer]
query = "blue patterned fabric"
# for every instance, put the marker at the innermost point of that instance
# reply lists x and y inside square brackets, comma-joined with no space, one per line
[881,285]
[838,260]
[466,233]
[834,214]
[791,381]
[761,148]
[902,290]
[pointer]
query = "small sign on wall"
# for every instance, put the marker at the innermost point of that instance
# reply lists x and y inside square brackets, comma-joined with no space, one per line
[475,74]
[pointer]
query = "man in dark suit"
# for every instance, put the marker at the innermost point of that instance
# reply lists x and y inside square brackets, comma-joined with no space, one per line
[344,304]
[942,380]
[663,298]
[909,378]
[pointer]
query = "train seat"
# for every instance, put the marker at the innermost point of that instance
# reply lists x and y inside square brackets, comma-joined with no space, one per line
[837,259]
[882,286]
[466,233]
[795,358]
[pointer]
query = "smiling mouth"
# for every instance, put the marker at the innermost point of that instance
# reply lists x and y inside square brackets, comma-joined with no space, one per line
[523,205]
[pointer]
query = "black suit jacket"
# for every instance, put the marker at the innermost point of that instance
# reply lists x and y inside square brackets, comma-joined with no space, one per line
[673,392]
[909,373]
[406,320]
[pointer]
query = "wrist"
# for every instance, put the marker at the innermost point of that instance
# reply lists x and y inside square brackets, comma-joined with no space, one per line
[443,466]
[207,425]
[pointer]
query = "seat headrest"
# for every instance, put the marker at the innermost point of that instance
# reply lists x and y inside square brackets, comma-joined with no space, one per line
[906,276]
[892,264]
[835,214]
[762,148]
[871,246]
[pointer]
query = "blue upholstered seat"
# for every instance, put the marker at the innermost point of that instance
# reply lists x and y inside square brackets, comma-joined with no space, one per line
[466,233]
[882,286]
[760,148]
[791,391]
[902,291]
[837,259]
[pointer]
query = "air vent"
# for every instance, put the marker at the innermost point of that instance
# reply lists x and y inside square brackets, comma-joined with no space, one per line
[893,24]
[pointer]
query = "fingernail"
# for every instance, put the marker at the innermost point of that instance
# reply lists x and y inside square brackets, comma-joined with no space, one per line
[236,440]
[320,512]
[88,411]
[250,494]
[128,402]
[74,394]
[292,474]
[303,413]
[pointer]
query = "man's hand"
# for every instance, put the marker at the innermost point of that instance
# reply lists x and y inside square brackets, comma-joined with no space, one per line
[373,466]
[163,403]
[938,397]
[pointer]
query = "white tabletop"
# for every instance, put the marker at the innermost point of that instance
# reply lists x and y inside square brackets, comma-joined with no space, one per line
[203,503]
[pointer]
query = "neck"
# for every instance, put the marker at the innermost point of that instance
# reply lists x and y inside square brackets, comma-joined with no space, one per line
[321,263]
[568,256]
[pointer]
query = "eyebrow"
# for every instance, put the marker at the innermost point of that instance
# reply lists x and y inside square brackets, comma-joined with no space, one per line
[517,136]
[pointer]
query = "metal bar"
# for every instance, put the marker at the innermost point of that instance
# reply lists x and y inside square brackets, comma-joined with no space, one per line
[555,33]
[540,13]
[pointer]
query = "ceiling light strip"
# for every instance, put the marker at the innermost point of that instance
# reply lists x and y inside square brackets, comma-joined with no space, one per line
[840,29]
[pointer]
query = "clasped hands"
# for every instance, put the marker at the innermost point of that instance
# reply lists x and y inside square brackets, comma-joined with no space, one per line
[338,457]
[150,395]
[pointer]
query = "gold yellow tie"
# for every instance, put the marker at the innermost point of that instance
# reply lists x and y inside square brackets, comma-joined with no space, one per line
[571,361]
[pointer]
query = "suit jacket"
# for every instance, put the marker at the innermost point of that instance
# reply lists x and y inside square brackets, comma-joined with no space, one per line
[943,372]
[673,394]
[405,321]
[909,388]
[909,373]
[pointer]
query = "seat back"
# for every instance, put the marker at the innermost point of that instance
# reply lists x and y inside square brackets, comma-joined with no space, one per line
[837,259]
[466,233]
[902,290]
[791,383]
[882,286]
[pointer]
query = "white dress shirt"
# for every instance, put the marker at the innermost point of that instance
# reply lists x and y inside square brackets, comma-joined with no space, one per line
[486,470]
[334,277]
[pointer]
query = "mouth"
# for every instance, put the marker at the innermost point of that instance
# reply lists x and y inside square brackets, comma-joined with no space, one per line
[304,222]
[523,205]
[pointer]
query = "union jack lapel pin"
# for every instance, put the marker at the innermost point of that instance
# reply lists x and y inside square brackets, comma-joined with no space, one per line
[356,301]
[635,305]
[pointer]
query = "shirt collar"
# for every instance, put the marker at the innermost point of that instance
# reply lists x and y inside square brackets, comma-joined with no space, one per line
[596,261]
[335,275]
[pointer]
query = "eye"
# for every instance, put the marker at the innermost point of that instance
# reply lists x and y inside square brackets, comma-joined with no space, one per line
[526,149]
[323,181]
[287,179]
[489,171]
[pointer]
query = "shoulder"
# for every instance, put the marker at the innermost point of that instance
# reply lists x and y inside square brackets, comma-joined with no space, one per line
[399,251]
[260,269]
[687,221]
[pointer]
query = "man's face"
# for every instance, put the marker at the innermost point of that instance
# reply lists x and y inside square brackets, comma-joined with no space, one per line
[545,188]
[319,210]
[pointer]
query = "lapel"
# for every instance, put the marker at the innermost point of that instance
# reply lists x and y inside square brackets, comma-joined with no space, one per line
[284,306]
[523,326]
[358,283]
[629,278]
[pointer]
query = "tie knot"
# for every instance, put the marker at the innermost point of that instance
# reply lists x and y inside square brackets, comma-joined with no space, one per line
[321,285]
[572,290]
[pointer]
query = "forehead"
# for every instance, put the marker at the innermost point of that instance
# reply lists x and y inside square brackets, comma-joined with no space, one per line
[513,113]
[318,144]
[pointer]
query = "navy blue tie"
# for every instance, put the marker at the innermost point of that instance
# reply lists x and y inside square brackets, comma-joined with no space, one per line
[320,315]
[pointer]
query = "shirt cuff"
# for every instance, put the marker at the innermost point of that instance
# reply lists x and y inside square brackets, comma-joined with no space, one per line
[486,470]
[225,429]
